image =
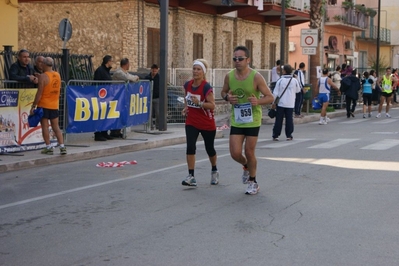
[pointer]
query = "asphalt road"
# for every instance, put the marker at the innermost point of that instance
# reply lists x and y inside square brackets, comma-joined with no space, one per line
[329,197]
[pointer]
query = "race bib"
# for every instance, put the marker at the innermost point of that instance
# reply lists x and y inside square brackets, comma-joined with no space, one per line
[243,113]
[190,102]
[387,87]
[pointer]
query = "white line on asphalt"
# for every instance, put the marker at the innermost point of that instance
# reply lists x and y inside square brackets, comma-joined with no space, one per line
[332,144]
[342,163]
[382,145]
[284,143]
[353,121]
[385,121]
[100,184]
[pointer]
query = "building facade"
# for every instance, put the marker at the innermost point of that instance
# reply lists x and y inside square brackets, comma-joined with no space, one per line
[349,36]
[131,29]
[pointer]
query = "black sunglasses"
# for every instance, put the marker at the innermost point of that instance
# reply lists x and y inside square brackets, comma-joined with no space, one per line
[235,59]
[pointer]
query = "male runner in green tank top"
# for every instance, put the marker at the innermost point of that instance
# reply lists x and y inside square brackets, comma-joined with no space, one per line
[242,88]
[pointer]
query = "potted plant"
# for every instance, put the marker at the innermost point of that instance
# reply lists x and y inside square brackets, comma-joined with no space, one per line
[347,5]
[337,18]
[371,12]
[360,9]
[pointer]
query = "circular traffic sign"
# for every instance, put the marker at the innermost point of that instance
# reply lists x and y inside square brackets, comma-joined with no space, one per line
[65,30]
[309,40]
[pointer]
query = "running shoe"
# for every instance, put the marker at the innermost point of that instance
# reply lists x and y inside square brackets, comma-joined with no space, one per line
[369,114]
[387,115]
[252,188]
[63,150]
[327,119]
[323,122]
[214,178]
[189,181]
[47,151]
[245,176]
[378,115]
[364,115]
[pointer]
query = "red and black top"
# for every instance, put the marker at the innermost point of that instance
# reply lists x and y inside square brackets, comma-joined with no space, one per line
[198,117]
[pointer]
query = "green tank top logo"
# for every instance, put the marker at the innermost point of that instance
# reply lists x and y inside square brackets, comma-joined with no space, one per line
[240,93]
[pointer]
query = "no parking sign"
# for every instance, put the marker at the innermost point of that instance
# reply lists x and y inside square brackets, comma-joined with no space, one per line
[309,40]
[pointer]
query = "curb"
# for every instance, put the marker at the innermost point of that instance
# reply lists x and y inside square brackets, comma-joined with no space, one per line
[90,153]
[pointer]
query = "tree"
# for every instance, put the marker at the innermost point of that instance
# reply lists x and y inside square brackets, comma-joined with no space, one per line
[316,13]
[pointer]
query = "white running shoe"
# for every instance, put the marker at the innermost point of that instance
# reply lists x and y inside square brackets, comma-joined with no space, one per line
[327,119]
[214,178]
[252,188]
[387,115]
[245,176]
[323,122]
[378,115]
[189,181]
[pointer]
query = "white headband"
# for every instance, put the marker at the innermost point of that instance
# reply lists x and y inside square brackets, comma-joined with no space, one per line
[196,62]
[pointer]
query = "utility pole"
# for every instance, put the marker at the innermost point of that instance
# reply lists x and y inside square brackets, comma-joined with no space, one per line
[163,95]
[378,38]
[282,34]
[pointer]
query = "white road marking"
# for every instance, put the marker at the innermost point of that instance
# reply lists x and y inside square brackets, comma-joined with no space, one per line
[385,121]
[100,184]
[384,144]
[353,121]
[283,143]
[333,144]
[343,163]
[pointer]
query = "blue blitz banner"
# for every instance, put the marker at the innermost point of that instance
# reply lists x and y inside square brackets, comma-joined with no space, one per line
[105,107]
[138,103]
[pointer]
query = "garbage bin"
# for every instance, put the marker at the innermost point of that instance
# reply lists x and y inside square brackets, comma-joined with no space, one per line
[307,97]
[308,92]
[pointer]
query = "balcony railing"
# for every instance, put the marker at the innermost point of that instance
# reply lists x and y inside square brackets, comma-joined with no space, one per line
[350,17]
[301,5]
[372,32]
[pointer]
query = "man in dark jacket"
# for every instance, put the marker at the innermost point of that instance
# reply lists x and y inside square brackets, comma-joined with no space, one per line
[103,73]
[351,92]
[154,77]
[22,71]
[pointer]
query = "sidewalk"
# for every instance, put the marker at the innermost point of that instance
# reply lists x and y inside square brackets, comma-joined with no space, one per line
[83,147]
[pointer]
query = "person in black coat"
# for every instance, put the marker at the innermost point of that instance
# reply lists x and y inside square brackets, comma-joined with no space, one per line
[22,71]
[351,85]
[103,73]
[154,77]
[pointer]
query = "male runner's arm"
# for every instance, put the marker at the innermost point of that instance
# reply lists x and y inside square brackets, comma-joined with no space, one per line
[260,85]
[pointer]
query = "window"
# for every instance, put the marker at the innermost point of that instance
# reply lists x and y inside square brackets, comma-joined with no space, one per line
[198,46]
[153,46]
[249,44]
[272,54]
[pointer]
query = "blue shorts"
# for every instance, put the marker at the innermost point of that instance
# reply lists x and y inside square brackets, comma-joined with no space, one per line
[324,98]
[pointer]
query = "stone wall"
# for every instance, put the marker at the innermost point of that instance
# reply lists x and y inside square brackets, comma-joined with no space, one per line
[119,28]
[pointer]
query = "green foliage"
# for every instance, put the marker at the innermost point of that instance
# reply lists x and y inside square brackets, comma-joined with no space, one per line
[382,64]
[329,109]
[371,12]
[347,5]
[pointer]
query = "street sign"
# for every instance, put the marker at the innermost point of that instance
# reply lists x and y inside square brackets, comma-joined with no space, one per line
[309,37]
[309,50]
[65,30]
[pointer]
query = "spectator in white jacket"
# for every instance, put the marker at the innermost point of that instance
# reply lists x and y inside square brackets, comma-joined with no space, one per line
[122,73]
[286,89]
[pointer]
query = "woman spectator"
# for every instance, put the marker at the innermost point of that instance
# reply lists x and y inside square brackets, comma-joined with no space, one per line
[286,89]
[199,106]
[375,87]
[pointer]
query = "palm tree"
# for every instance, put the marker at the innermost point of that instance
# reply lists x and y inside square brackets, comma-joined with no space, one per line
[315,23]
